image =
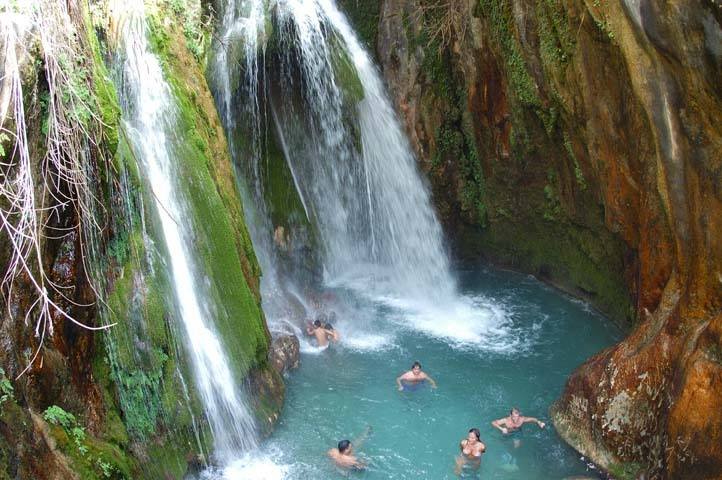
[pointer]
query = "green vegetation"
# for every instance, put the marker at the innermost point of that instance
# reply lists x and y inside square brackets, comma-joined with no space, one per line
[91,458]
[222,240]
[364,16]
[6,390]
[626,471]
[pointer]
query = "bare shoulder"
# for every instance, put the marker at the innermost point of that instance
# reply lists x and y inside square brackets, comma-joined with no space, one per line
[332,453]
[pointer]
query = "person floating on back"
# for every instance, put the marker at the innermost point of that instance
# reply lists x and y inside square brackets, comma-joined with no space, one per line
[514,422]
[414,378]
[471,450]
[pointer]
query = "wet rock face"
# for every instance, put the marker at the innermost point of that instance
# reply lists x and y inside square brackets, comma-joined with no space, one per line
[580,141]
[284,354]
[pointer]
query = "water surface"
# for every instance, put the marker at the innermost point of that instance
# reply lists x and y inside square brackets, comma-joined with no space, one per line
[527,340]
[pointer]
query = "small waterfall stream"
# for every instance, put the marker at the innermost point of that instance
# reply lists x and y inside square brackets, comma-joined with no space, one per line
[149,115]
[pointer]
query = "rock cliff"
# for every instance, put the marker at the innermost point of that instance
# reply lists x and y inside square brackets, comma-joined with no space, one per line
[581,141]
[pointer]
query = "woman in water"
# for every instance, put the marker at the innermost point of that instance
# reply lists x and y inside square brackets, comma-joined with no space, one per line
[471,449]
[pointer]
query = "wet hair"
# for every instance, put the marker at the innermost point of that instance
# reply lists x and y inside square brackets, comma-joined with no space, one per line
[416,364]
[514,409]
[476,432]
[343,445]
[317,323]
[328,326]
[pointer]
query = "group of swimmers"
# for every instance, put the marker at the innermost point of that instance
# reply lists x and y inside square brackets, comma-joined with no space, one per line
[471,447]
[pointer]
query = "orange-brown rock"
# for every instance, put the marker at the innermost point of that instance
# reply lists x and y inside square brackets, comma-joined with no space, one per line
[582,141]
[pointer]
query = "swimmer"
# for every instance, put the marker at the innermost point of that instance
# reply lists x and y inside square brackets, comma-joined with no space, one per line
[344,457]
[316,330]
[471,450]
[514,422]
[332,334]
[414,377]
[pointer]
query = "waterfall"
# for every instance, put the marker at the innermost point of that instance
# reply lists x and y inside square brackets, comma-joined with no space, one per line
[303,76]
[150,117]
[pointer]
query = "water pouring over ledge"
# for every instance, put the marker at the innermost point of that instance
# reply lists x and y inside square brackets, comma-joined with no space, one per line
[150,117]
[302,79]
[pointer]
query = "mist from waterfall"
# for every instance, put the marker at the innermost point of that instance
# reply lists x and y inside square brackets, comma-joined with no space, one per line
[150,117]
[293,73]
[351,163]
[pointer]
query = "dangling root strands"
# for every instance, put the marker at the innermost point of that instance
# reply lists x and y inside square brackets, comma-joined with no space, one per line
[34,192]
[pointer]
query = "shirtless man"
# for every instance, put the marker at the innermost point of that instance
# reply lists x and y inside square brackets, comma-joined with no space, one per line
[316,330]
[333,335]
[344,457]
[414,377]
[471,450]
[514,422]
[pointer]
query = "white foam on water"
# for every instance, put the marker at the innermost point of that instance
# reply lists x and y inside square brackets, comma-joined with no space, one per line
[369,342]
[249,467]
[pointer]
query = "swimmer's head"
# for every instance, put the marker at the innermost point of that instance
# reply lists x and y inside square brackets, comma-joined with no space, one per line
[317,323]
[344,446]
[474,434]
[328,326]
[514,412]
[416,367]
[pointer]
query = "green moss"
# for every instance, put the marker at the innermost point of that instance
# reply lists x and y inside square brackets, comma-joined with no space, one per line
[222,240]
[91,457]
[626,471]
[585,262]
[286,208]
[556,40]
[345,74]
[364,16]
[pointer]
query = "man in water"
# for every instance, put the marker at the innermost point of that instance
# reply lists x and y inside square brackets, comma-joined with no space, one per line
[321,332]
[344,457]
[333,335]
[513,423]
[414,378]
[316,330]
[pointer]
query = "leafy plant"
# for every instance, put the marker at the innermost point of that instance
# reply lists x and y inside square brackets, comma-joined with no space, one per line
[58,416]
[6,389]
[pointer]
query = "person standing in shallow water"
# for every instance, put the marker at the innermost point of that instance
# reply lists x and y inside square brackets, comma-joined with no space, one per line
[513,423]
[414,378]
[471,450]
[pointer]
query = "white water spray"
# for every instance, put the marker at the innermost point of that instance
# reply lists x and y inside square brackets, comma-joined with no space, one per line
[350,160]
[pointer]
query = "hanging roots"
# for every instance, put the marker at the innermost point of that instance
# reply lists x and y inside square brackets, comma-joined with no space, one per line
[34,192]
[444,20]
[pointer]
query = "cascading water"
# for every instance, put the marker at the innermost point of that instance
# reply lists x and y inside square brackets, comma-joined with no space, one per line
[149,115]
[302,79]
